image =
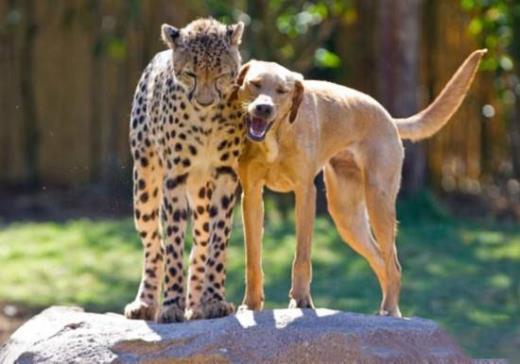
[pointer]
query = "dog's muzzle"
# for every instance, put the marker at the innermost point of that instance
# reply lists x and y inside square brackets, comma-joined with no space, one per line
[257,127]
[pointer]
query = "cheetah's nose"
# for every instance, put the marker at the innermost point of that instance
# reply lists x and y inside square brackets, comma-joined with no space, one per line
[205,103]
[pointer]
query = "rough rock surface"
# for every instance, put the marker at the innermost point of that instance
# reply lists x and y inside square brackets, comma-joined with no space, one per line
[69,335]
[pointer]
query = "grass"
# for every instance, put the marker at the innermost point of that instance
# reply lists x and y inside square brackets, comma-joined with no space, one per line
[462,274]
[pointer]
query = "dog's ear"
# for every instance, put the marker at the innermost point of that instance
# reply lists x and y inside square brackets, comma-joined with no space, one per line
[296,99]
[239,81]
[170,35]
[242,74]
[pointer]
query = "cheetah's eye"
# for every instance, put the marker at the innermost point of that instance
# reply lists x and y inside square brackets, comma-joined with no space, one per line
[224,76]
[190,74]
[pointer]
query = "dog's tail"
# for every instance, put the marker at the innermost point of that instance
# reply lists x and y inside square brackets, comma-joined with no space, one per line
[436,115]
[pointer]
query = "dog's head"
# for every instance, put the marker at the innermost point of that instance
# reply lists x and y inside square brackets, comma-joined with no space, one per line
[271,94]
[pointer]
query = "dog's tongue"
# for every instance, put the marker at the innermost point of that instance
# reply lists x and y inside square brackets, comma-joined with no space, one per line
[257,127]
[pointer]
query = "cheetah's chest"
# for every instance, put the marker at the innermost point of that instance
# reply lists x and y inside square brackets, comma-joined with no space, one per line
[198,139]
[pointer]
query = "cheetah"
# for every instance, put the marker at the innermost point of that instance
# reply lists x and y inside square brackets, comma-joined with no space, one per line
[185,140]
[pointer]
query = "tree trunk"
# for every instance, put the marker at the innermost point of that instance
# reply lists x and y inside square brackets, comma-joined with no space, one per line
[398,51]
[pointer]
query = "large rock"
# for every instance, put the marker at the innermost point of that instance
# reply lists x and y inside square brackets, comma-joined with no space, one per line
[69,335]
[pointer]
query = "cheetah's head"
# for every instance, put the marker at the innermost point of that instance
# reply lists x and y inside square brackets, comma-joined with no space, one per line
[206,58]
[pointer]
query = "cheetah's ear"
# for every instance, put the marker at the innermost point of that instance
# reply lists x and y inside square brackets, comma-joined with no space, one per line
[170,35]
[234,33]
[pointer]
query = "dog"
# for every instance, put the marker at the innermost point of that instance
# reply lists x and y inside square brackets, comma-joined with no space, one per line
[295,129]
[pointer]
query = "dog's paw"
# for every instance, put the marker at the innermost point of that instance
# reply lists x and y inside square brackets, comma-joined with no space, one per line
[209,310]
[303,302]
[242,308]
[139,310]
[170,314]
[254,305]
[395,312]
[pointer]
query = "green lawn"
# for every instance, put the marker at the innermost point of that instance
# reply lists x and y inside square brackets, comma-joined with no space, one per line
[464,275]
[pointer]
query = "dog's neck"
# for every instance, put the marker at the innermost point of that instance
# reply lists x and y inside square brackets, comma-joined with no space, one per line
[270,145]
[272,142]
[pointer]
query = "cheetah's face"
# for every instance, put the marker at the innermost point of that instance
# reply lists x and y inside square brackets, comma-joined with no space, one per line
[206,58]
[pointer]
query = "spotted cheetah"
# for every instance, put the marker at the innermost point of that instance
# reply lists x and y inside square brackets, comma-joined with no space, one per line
[185,138]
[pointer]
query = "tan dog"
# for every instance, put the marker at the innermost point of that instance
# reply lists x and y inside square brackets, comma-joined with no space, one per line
[297,128]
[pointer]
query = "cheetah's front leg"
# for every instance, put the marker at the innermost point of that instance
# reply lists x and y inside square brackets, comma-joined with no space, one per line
[147,178]
[199,196]
[174,211]
[223,201]
[210,233]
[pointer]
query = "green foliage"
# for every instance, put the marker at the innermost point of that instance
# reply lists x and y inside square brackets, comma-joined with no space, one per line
[117,48]
[326,59]
[461,274]
[303,29]
[496,25]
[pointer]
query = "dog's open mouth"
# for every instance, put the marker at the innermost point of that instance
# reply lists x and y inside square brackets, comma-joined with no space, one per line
[257,127]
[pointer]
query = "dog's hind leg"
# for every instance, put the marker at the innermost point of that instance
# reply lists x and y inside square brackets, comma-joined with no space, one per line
[381,180]
[346,205]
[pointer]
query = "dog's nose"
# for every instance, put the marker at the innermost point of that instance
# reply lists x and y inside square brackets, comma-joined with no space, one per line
[264,109]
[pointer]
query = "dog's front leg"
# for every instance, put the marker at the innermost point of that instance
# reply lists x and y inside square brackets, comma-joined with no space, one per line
[253,220]
[300,293]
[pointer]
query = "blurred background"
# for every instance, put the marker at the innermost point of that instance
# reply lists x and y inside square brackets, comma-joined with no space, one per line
[67,74]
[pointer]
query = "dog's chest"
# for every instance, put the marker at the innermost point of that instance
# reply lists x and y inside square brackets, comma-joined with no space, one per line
[270,160]
[279,173]
[278,178]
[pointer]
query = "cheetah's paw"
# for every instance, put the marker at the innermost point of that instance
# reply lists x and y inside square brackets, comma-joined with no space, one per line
[170,314]
[209,310]
[139,310]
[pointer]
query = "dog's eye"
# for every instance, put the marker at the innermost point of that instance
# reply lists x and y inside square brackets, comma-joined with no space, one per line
[256,84]
[281,91]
